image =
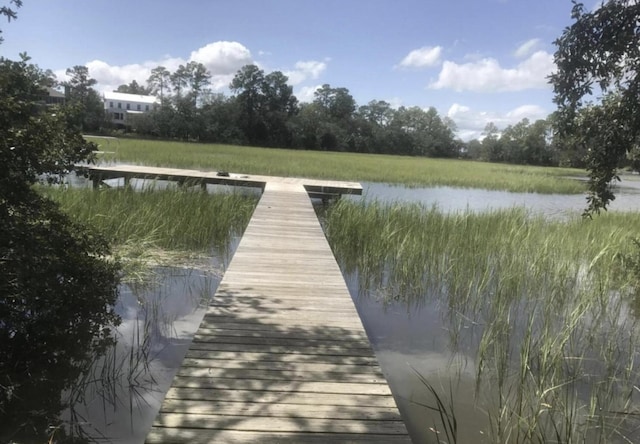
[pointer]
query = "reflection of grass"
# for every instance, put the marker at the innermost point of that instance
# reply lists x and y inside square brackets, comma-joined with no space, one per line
[541,304]
[125,375]
[140,257]
[345,166]
[445,409]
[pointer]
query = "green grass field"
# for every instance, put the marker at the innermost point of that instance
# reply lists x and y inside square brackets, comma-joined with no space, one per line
[410,171]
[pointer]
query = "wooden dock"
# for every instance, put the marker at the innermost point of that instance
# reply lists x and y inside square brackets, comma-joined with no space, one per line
[281,355]
[315,187]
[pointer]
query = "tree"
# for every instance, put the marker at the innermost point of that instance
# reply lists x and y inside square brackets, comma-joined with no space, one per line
[57,290]
[247,84]
[87,106]
[374,127]
[199,80]
[424,133]
[220,114]
[337,102]
[280,105]
[513,142]
[596,86]
[336,127]
[474,149]
[266,104]
[159,81]
[492,149]
[133,88]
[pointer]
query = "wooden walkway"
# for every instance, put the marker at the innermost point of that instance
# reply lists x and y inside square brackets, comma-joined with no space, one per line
[315,187]
[281,355]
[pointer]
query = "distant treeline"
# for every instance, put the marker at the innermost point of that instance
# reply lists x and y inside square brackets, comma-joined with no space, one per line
[262,111]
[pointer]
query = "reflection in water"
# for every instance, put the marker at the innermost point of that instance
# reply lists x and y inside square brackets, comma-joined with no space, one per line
[523,342]
[410,341]
[416,341]
[121,396]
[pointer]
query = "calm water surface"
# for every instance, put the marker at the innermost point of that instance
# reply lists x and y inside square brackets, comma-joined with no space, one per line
[128,385]
[449,199]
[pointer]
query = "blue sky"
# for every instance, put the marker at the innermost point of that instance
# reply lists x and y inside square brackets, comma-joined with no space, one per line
[476,61]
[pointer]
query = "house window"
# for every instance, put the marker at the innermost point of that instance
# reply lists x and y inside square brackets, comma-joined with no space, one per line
[128,106]
[110,104]
[119,105]
[139,107]
[146,107]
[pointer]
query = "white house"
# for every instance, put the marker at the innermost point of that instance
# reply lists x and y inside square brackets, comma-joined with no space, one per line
[119,106]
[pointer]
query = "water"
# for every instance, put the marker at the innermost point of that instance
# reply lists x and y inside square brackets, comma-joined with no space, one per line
[128,385]
[410,342]
[450,200]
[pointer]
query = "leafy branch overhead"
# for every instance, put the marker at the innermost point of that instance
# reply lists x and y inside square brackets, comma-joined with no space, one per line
[596,88]
[9,12]
[57,290]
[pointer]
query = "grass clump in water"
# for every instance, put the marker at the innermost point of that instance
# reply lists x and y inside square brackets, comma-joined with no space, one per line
[544,306]
[154,227]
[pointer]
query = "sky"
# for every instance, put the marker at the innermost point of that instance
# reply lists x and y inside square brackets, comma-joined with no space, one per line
[475,61]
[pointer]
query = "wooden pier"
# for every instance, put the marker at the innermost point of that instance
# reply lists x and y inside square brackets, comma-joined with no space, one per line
[281,355]
[315,187]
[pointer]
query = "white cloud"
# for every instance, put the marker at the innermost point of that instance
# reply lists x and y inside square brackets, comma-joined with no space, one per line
[304,70]
[471,123]
[487,75]
[222,58]
[306,93]
[526,48]
[422,57]
[395,102]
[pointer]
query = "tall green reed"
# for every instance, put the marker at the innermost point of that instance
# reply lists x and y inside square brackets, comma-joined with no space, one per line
[543,304]
[174,218]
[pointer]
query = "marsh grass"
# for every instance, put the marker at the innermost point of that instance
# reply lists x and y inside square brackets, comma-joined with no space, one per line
[156,227]
[545,305]
[411,171]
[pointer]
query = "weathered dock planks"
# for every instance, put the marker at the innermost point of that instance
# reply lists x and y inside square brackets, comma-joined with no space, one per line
[315,187]
[281,355]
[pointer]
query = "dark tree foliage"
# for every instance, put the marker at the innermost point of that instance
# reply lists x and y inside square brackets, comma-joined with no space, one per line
[84,105]
[265,104]
[133,88]
[56,289]
[264,112]
[159,81]
[596,87]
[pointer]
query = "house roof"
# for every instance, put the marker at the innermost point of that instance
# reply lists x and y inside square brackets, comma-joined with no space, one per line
[123,97]
[55,93]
